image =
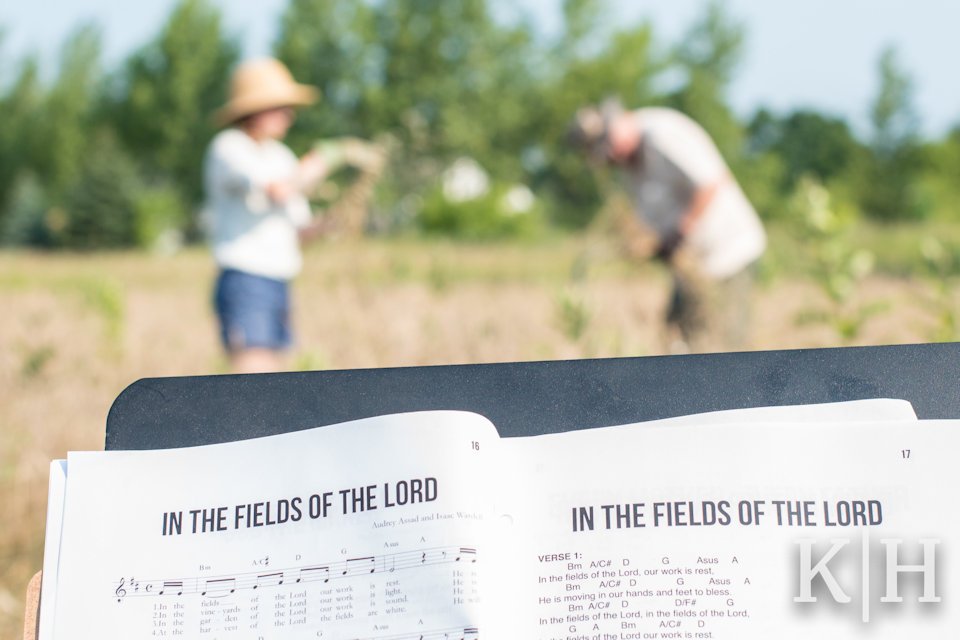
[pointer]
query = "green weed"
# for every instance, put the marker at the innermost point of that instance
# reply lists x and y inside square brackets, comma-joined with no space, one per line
[35,361]
[311,361]
[106,299]
[835,261]
[573,316]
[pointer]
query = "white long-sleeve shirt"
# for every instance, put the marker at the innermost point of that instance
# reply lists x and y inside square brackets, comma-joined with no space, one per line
[248,231]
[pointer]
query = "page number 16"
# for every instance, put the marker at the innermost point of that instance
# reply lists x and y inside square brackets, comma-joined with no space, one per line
[475,445]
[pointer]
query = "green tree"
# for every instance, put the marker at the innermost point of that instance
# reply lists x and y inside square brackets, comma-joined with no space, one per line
[938,186]
[709,54]
[442,78]
[44,139]
[19,109]
[445,79]
[893,115]
[101,206]
[807,143]
[25,222]
[162,100]
[889,190]
[330,44]
[63,131]
[589,62]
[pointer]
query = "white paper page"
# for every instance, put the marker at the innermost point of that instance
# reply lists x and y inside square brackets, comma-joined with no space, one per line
[407,561]
[51,547]
[682,564]
[869,410]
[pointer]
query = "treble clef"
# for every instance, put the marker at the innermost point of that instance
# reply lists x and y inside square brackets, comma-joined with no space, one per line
[121,592]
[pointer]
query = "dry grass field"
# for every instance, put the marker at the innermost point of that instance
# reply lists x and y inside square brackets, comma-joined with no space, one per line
[76,329]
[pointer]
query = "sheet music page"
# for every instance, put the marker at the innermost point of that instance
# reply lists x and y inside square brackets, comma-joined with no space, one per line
[51,547]
[685,531]
[369,529]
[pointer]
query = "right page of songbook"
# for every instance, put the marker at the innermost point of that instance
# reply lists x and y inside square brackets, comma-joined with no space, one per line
[739,532]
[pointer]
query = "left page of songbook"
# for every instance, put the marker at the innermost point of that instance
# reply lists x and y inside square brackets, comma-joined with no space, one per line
[369,529]
[51,547]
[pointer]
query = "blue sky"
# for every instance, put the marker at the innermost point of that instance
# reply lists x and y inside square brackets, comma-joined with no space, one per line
[818,53]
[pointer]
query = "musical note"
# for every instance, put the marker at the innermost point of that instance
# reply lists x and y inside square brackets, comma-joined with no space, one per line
[308,574]
[217,587]
[361,564]
[171,584]
[466,551]
[269,579]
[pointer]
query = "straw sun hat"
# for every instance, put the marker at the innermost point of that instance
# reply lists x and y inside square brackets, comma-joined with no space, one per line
[260,85]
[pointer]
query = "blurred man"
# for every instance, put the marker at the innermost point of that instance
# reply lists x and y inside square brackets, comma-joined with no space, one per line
[705,229]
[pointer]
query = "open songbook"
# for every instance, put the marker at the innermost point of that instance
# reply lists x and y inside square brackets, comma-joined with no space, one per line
[832,521]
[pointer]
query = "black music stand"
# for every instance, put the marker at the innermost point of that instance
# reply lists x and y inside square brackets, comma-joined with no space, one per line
[529,398]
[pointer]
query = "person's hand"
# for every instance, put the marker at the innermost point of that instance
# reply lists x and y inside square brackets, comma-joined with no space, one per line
[279,191]
[669,244]
[320,226]
[363,155]
[636,240]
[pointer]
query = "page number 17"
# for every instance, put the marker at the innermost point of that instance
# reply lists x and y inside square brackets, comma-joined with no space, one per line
[905,453]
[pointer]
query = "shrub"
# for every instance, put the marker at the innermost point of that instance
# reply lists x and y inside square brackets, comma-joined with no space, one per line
[499,213]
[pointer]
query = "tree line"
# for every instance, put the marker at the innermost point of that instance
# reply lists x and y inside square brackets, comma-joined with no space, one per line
[112,157]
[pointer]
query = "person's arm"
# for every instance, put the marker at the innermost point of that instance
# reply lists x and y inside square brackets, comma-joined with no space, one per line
[319,226]
[702,198]
[347,213]
[702,185]
[688,162]
[232,169]
[348,151]
[328,156]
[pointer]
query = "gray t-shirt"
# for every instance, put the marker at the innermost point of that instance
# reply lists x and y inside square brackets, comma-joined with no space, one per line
[677,158]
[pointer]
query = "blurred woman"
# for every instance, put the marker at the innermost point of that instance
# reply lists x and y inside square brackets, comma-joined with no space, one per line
[258,212]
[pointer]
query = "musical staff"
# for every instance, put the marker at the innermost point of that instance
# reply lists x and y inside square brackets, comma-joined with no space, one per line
[224,585]
[134,587]
[455,633]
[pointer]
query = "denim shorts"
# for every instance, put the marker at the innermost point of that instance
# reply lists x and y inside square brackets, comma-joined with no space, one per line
[254,311]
